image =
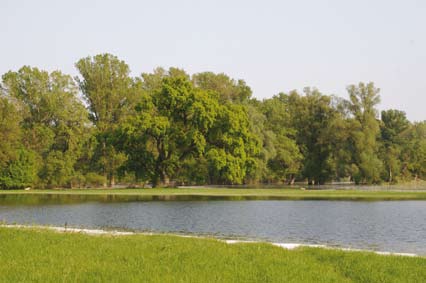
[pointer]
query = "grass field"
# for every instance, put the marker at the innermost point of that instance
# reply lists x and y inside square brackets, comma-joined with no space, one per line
[31,255]
[232,194]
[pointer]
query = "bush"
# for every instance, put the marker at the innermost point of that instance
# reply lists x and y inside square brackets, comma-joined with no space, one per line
[95,180]
[77,181]
[20,172]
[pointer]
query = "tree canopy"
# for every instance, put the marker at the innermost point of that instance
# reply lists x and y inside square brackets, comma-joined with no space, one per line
[169,127]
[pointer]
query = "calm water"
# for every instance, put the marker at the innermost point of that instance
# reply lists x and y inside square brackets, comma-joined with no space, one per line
[398,226]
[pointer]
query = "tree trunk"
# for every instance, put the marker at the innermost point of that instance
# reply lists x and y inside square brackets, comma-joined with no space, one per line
[292,180]
[112,180]
[104,166]
[155,181]
[166,180]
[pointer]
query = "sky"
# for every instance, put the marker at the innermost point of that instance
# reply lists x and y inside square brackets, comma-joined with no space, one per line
[275,46]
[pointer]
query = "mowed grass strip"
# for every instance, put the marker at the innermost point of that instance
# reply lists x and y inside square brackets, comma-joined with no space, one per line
[34,255]
[234,194]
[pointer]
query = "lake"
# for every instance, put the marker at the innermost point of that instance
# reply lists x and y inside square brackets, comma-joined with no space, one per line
[396,226]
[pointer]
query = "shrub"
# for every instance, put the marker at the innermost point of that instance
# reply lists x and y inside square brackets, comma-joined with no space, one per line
[20,172]
[95,180]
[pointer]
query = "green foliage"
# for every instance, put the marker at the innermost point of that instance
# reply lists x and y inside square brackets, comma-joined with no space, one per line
[313,115]
[393,142]
[178,124]
[168,126]
[19,172]
[394,124]
[107,89]
[365,130]
[228,89]
[93,180]
[231,146]
[234,141]
[281,153]
[77,180]
[414,152]
[54,121]
[57,169]
[10,131]
[111,97]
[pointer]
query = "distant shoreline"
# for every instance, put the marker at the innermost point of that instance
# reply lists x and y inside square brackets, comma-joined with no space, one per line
[165,194]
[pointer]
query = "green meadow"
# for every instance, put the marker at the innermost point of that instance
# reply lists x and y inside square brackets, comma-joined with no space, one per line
[38,255]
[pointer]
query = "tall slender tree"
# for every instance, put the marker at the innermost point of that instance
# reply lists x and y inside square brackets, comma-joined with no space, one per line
[365,132]
[285,163]
[393,125]
[312,115]
[110,94]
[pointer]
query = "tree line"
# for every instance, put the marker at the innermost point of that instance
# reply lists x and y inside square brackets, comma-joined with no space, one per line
[168,127]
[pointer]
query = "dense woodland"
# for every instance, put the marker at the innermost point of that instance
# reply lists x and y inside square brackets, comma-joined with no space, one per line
[168,127]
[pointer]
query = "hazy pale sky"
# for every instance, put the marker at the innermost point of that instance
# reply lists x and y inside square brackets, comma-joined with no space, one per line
[273,45]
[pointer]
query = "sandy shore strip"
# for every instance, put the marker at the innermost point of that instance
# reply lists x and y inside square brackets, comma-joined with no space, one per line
[287,246]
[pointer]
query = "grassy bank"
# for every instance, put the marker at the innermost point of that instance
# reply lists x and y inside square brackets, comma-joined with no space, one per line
[46,256]
[231,194]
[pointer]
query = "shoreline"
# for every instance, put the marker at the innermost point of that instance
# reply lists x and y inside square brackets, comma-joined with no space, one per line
[165,194]
[287,246]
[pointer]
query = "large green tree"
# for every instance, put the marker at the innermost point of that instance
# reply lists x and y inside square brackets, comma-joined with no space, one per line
[10,131]
[54,121]
[414,151]
[232,147]
[235,141]
[312,115]
[17,168]
[110,94]
[169,127]
[181,130]
[284,162]
[394,125]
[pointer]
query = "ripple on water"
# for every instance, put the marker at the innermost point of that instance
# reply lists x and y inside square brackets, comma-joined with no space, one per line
[395,226]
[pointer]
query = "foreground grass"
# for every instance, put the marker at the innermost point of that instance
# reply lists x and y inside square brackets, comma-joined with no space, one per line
[233,194]
[29,255]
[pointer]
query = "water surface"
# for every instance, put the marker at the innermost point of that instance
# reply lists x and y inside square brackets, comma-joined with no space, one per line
[397,226]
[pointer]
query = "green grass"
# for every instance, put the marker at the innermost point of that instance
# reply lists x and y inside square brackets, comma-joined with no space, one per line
[231,194]
[31,255]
